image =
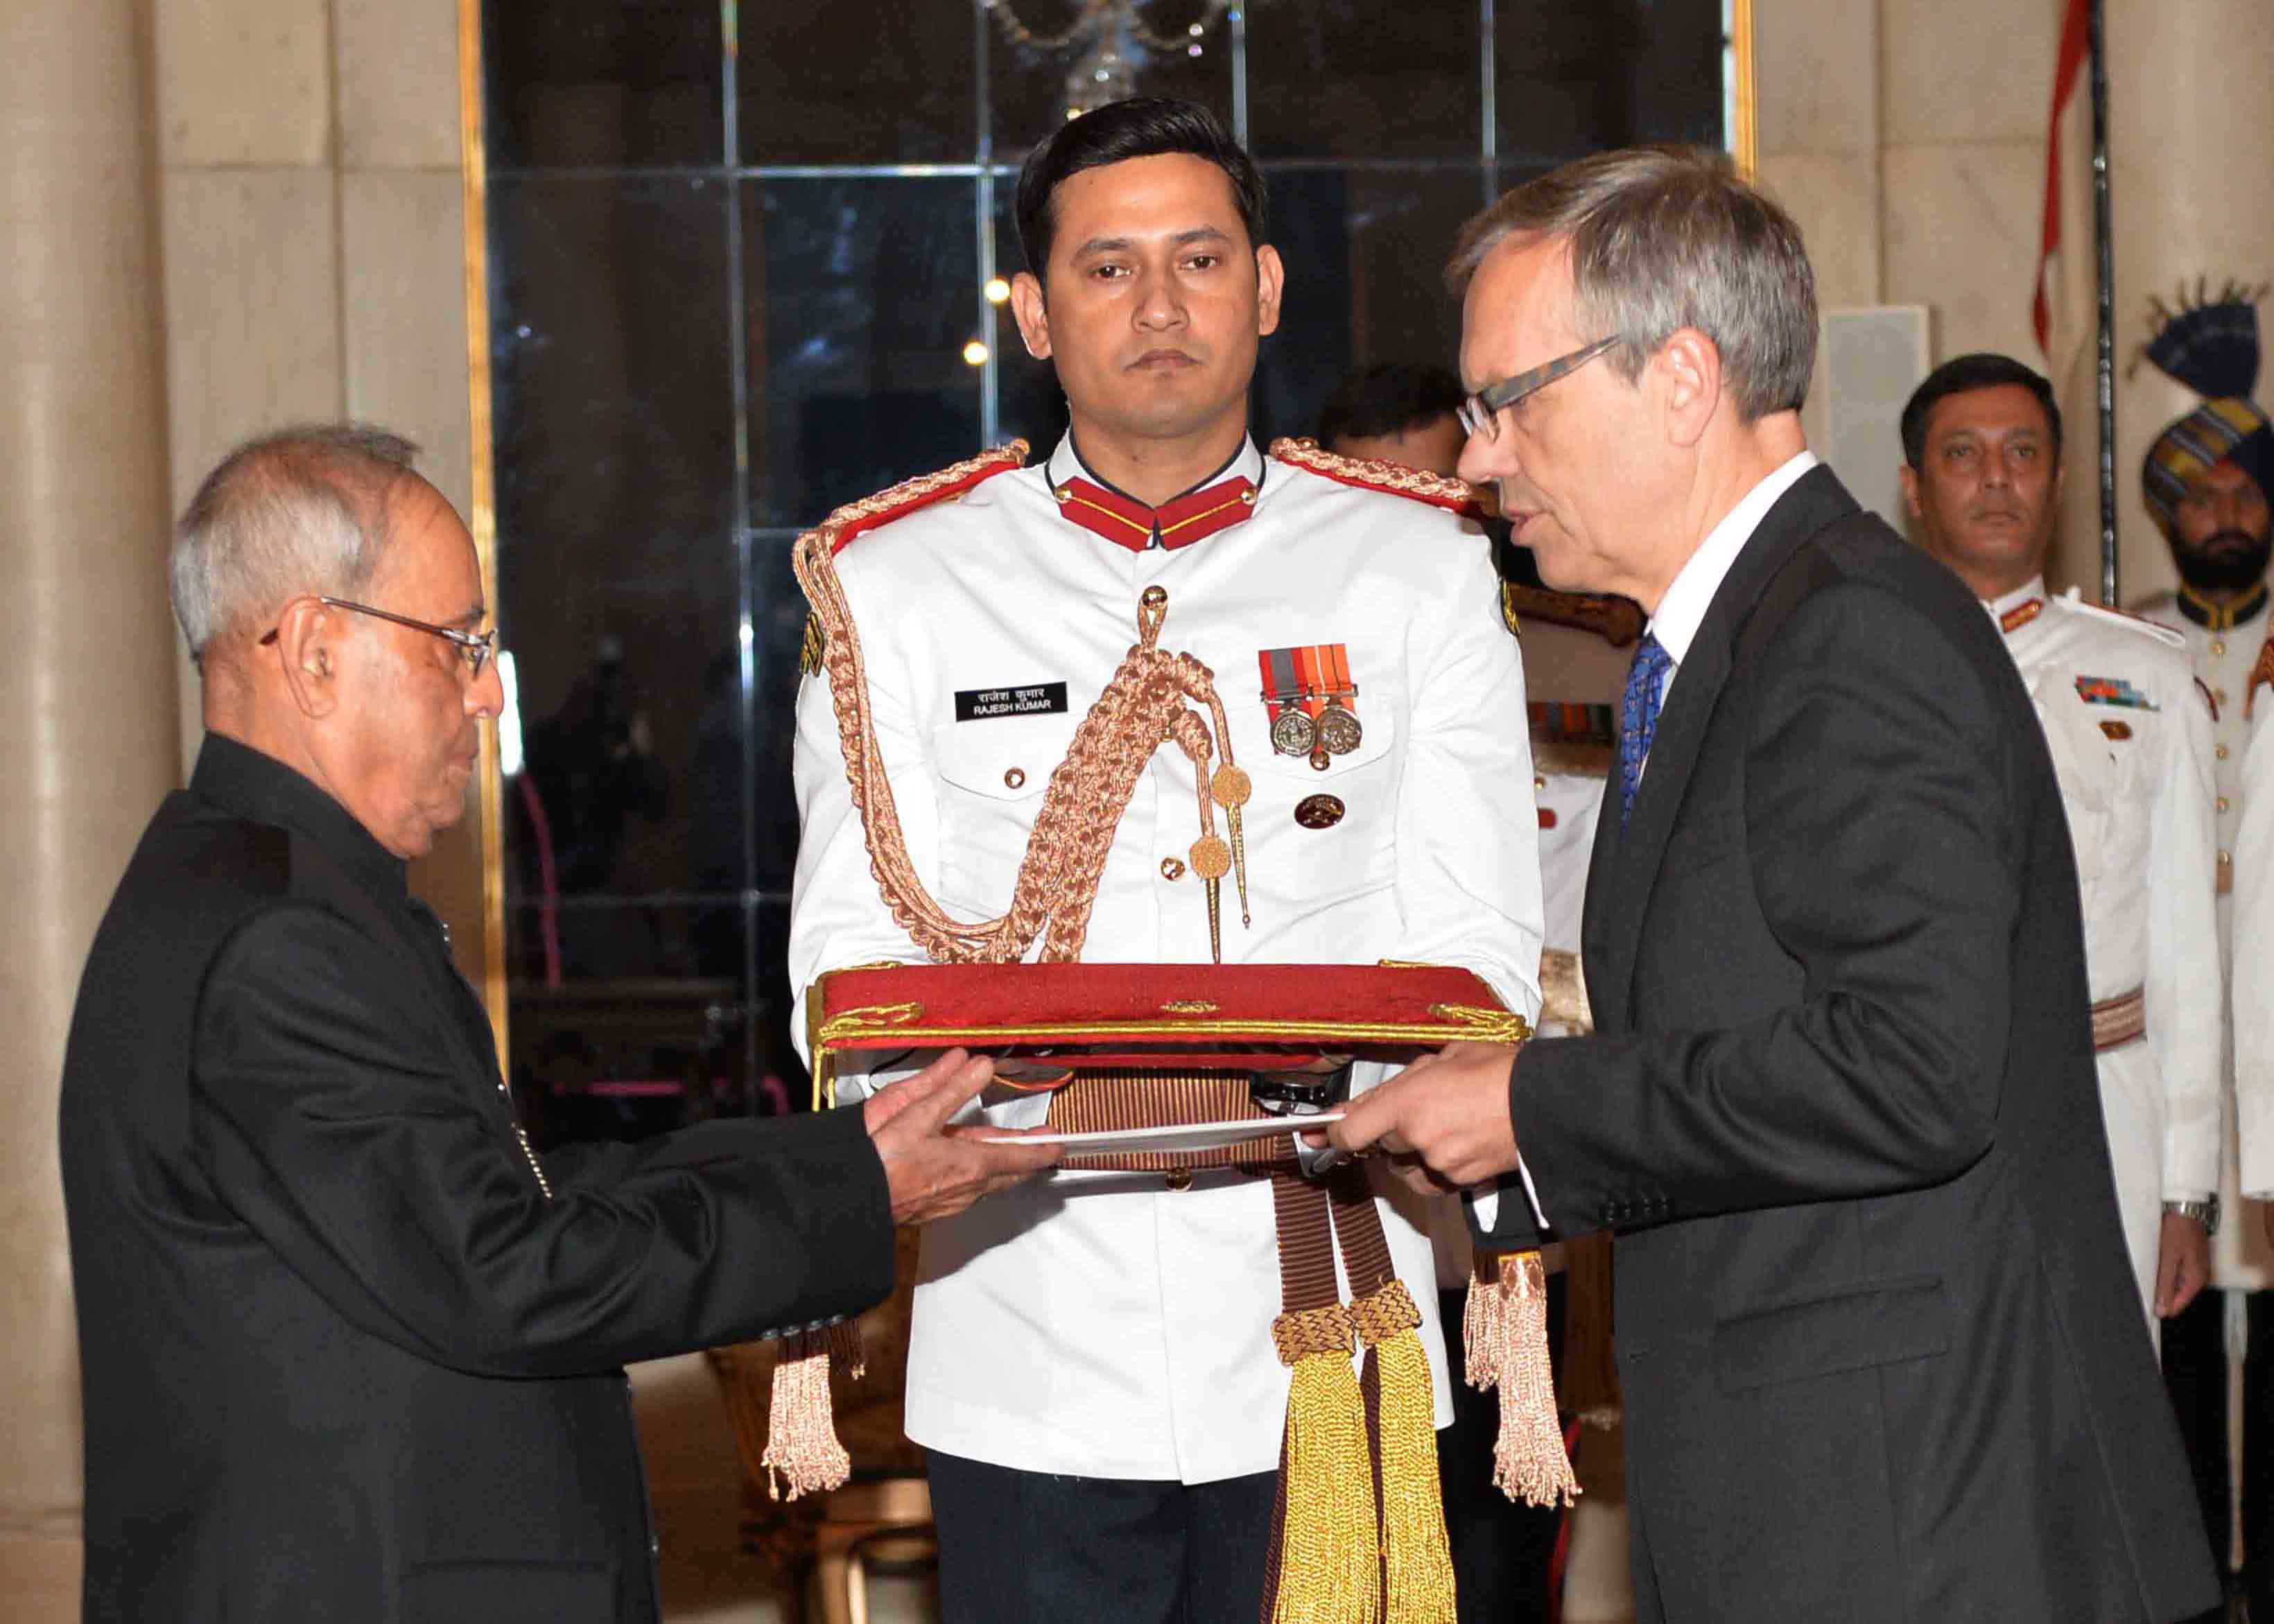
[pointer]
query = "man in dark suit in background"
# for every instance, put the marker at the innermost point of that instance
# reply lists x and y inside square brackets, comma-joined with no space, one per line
[349,1347]
[1876,1332]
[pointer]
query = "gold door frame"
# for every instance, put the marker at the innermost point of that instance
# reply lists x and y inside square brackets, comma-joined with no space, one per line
[482,495]
[482,520]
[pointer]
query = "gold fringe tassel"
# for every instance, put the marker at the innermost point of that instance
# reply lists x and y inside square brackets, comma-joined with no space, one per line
[1329,1543]
[1481,1328]
[1529,1461]
[803,1451]
[1417,1562]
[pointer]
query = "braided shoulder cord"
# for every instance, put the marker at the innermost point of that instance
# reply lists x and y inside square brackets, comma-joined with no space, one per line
[1141,707]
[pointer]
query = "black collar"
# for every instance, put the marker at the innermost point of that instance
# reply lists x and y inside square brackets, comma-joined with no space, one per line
[2221,617]
[259,788]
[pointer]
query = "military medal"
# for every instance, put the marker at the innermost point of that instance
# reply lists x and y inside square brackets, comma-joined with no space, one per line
[1312,701]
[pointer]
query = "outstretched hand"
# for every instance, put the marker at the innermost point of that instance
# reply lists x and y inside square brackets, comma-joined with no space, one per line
[1448,1111]
[933,1171]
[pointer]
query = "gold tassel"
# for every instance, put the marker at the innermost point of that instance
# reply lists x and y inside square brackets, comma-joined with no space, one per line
[1417,1562]
[1529,1462]
[802,1450]
[1329,1566]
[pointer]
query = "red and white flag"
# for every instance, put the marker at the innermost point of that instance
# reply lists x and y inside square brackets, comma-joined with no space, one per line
[2065,314]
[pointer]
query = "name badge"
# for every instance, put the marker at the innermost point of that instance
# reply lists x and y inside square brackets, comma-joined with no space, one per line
[980,704]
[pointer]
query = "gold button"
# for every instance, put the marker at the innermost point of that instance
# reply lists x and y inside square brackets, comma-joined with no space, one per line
[1177,1178]
[1539,781]
[2218,647]
[1065,492]
[2226,858]
[2219,751]
[1172,868]
[2222,803]
[1154,597]
[2218,698]
[1014,778]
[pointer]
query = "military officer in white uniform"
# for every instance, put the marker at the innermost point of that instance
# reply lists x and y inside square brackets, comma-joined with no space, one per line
[1091,1362]
[2130,741]
[2205,482]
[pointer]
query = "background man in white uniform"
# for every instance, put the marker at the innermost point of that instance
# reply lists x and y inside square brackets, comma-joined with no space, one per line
[2206,484]
[1092,1367]
[2130,740]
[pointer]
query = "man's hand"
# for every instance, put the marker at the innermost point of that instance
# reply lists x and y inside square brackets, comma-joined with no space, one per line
[1448,1109]
[2183,1265]
[933,1171]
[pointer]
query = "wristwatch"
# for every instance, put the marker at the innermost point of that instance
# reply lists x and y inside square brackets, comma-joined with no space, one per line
[2204,1212]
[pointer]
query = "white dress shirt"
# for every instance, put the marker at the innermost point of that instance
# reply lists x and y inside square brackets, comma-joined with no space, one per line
[1105,1325]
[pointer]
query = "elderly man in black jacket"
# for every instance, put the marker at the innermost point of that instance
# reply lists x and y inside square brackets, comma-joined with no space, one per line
[350,1347]
[1882,1353]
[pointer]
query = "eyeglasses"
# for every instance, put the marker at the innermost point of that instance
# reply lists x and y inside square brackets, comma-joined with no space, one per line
[1481,412]
[477,648]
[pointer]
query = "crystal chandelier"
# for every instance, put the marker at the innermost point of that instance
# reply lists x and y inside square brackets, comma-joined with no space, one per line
[1111,41]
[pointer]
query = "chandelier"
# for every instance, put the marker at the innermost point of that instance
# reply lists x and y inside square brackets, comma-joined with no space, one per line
[1111,41]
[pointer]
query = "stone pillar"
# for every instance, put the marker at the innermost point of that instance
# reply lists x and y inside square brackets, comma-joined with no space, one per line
[2190,173]
[87,676]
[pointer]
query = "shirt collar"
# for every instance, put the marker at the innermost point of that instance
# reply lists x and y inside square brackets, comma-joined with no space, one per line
[1682,610]
[1225,498]
[258,788]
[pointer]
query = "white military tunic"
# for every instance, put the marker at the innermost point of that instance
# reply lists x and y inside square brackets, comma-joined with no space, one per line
[1104,1325]
[2130,741]
[2253,900]
[2222,647]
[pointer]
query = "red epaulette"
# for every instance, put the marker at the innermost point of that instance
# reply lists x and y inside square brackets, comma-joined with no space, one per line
[871,512]
[2263,671]
[1395,479]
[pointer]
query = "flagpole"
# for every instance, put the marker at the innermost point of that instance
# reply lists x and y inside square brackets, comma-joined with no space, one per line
[2106,277]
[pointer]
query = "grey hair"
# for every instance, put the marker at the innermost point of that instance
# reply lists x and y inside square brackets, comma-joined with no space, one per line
[1666,237]
[303,509]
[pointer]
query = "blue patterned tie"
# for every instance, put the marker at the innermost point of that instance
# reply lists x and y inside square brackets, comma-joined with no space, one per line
[1638,718]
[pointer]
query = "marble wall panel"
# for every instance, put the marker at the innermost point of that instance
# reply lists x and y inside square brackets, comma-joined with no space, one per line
[1962,227]
[244,81]
[1965,71]
[1816,76]
[403,314]
[398,84]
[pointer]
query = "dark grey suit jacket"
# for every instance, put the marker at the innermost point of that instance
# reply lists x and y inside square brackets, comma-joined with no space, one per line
[342,1359]
[1883,1356]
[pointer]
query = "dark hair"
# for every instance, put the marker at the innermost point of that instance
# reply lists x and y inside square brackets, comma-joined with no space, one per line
[1388,398]
[1962,375]
[1142,127]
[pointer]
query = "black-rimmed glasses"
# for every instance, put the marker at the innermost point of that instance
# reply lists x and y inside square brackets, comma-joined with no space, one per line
[478,647]
[1481,412]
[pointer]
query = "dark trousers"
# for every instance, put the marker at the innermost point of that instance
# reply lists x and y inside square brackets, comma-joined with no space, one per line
[2195,1373]
[1502,1549]
[1019,1547]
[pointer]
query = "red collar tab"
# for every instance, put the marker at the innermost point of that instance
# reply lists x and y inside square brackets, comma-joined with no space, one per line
[2020,615]
[1128,522]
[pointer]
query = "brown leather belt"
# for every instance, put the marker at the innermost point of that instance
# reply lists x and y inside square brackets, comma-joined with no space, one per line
[2119,1020]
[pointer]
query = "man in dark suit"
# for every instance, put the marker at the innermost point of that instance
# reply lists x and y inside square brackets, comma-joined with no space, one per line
[349,1347]
[1876,1332]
